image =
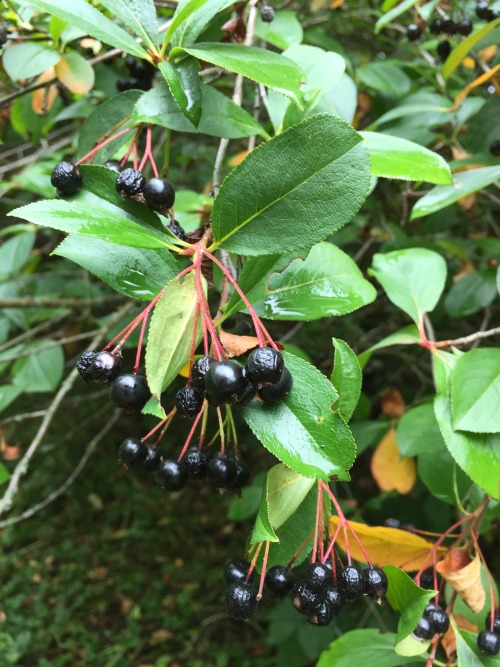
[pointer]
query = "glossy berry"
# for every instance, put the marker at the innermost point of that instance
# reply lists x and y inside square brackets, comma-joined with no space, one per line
[172,475]
[392,523]
[413,32]
[334,599]
[279,580]
[241,601]
[236,571]
[159,194]
[264,366]
[488,642]
[427,579]
[132,453]
[246,396]
[175,229]
[444,49]
[130,392]
[130,183]
[322,615]
[225,382]
[318,576]
[436,27]
[242,474]
[196,461]
[374,583]
[222,472]
[66,177]
[493,14]
[84,365]
[464,27]
[188,402]
[350,582]
[449,27]
[267,14]
[482,10]
[303,598]
[439,618]
[199,370]
[114,166]
[273,393]
[106,367]
[155,457]
[496,623]
[495,147]
[425,629]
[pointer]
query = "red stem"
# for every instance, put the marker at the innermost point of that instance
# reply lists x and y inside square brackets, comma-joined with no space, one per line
[263,571]
[193,340]
[139,345]
[297,553]
[316,526]
[218,349]
[97,148]
[252,564]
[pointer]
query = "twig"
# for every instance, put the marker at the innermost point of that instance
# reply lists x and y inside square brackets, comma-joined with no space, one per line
[49,302]
[31,332]
[48,346]
[467,339]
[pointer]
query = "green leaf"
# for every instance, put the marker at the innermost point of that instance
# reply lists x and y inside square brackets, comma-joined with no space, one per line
[393,157]
[406,336]
[41,371]
[304,431]
[171,333]
[220,116]
[23,61]
[324,186]
[393,13]
[191,18]
[413,279]
[153,407]
[367,647]
[83,15]
[76,73]
[471,293]
[283,32]
[108,114]
[135,272]
[323,69]
[462,49]
[266,67]
[385,77]
[327,283]
[442,476]
[8,394]
[254,271]
[15,252]
[467,651]
[475,391]
[346,378]
[418,432]
[4,473]
[262,530]
[464,183]
[139,16]
[184,83]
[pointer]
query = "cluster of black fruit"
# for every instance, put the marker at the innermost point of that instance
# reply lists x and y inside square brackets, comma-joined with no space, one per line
[141,75]
[488,641]
[434,621]
[267,13]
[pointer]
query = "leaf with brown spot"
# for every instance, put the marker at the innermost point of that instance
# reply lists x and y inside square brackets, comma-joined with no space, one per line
[235,345]
[464,576]
[388,469]
[44,98]
[392,403]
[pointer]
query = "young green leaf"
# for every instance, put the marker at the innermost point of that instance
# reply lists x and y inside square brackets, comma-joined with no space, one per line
[367,647]
[184,83]
[191,18]
[346,378]
[139,16]
[280,188]
[23,61]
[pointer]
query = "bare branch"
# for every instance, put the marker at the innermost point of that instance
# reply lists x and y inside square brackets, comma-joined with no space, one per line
[467,339]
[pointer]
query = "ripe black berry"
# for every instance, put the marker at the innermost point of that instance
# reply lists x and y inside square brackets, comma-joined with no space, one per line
[488,642]
[350,582]
[318,576]
[189,402]
[413,32]
[114,166]
[172,475]
[427,579]
[84,365]
[273,393]
[264,366]
[267,14]
[196,461]
[374,583]
[425,629]
[155,457]
[496,623]
[279,580]
[66,177]
[436,27]
[242,474]
[493,14]
[464,27]
[495,147]
[199,370]
[321,615]
[241,601]
[303,598]
[392,523]
[130,182]
[222,472]
[439,618]
[132,453]
[444,49]
[106,367]
[175,229]
[449,27]
[334,599]
[130,392]
[225,382]
[159,194]
[236,571]
[247,396]
[482,10]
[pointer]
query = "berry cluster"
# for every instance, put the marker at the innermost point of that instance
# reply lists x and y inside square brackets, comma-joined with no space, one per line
[141,75]
[488,640]
[434,621]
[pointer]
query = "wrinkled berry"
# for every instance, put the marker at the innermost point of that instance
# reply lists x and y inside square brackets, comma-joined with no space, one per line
[130,392]
[175,229]
[334,599]
[374,583]
[130,182]
[199,370]
[321,615]
[196,461]
[279,580]
[241,600]
[132,453]
[172,475]
[106,367]
[273,393]
[318,576]
[159,194]
[222,472]
[84,365]
[267,14]
[350,582]
[225,382]
[303,598]
[189,402]
[67,178]
[264,366]
[236,571]
[488,642]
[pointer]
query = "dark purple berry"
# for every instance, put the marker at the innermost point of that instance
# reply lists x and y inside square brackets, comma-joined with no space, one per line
[84,365]
[155,457]
[496,623]
[172,475]
[318,576]
[439,618]
[392,523]
[488,642]
[413,32]
[175,229]
[334,599]
[130,183]
[130,392]
[267,14]
[449,27]
[321,615]
[436,27]
[264,366]
[464,27]
[196,461]
[495,147]
[225,382]
[482,9]
[222,472]
[236,571]
[303,598]
[247,396]
[132,453]
[67,178]
[106,367]
[425,630]
[159,194]
[199,370]
[279,580]
[444,49]
[189,402]
[241,601]
[374,583]
[493,15]
[114,166]
[273,393]
[242,474]
[350,582]
[427,579]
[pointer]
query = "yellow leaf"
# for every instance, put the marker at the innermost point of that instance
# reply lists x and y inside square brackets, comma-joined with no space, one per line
[335,4]
[386,546]
[184,372]
[237,159]
[474,84]
[44,98]
[388,469]
[488,53]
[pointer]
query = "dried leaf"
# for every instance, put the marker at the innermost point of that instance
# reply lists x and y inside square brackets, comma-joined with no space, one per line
[388,469]
[235,346]
[11,452]
[392,403]
[386,546]
[44,98]
[464,576]
[449,640]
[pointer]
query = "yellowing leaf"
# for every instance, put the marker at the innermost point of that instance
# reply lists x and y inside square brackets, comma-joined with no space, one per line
[388,469]
[237,159]
[469,62]
[386,546]
[75,73]
[44,98]
[474,84]
[488,53]
[464,577]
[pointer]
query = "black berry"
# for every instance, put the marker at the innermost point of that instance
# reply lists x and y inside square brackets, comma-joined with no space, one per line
[273,393]
[392,523]
[3,36]
[482,10]
[236,572]
[222,472]
[66,177]
[155,457]
[436,27]
[246,396]
[303,598]
[225,382]
[159,194]
[106,367]
[495,147]
[374,583]
[130,392]
[199,370]
[318,576]
[267,14]
[334,599]
[439,618]
[413,32]
[114,166]
[425,629]
[321,615]
[132,453]
[242,474]
[449,27]
[350,582]
[493,14]
[444,49]
[488,642]
[279,580]
[175,229]
[264,366]
[196,461]
[130,182]
[84,365]
[172,475]
[241,600]
[189,402]
[464,27]
[496,623]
